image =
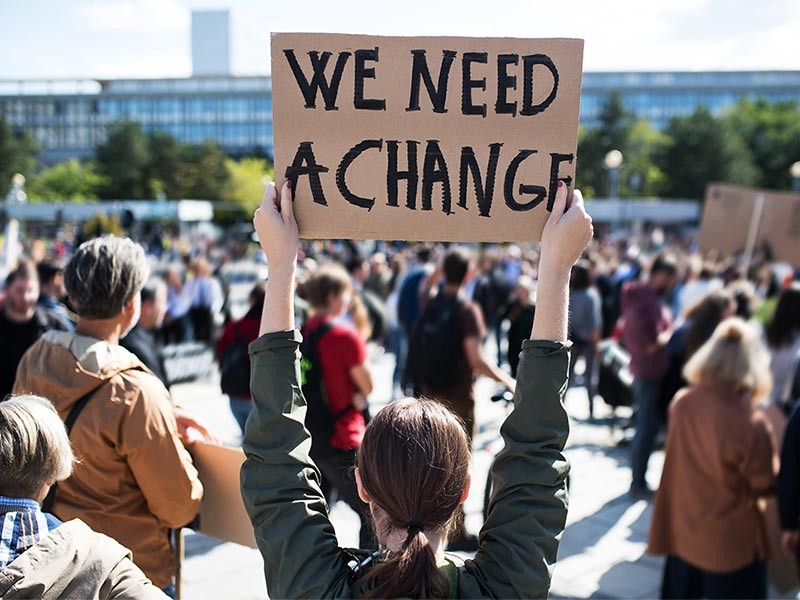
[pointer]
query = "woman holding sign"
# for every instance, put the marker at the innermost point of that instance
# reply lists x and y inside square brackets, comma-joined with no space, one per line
[412,468]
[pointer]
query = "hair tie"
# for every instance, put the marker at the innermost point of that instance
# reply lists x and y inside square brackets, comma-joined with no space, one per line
[414,527]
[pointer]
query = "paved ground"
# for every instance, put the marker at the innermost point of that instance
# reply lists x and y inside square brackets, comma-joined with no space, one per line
[602,554]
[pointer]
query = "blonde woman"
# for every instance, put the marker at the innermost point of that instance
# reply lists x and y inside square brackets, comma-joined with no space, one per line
[41,557]
[718,463]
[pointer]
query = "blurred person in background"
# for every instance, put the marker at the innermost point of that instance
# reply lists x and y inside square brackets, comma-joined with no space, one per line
[178,326]
[717,465]
[520,319]
[233,358]
[585,326]
[347,383]
[22,322]
[366,303]
[646,331]
[41,557]
[135,480]
[492,292]
[700,282]
[207,300]
[142,340]
[409,303]
[52,293]
[699,324]
[379,279]
[783,338]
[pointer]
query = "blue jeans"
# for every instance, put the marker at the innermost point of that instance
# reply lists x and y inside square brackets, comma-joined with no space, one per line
[240,407]
[646,394]
[682,580]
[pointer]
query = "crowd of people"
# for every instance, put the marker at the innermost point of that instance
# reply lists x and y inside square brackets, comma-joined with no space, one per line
[712,344]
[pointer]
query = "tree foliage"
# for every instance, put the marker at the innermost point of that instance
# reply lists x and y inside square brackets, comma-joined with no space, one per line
[71,180]
[18,151]
[701,150]
[246,181]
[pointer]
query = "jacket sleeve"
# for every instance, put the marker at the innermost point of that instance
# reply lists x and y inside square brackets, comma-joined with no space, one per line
[281,484]
[789,476]
[518,543]
[758,467]
[155,454]
[127,582]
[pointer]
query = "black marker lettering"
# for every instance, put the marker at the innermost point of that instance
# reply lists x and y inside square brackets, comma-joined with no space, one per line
[434,170]
[484,194]
[555,161]
[505,82]
[468,84]
[363,72]
[420,72]
[528,62]
[341,172]
[318,80]
[393,175]
[304,163]
[508,188]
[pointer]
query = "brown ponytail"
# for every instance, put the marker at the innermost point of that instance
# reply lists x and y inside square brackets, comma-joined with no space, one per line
[414,463]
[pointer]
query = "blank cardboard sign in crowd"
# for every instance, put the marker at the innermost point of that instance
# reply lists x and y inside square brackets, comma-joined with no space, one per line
[424,138]
[734,215]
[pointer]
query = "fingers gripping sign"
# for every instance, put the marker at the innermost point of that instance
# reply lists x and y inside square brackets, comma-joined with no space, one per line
[568,228]
[276,226]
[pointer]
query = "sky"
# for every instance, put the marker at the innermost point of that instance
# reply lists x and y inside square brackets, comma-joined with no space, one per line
[151,38]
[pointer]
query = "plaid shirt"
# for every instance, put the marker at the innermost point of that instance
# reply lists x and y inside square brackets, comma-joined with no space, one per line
[22,525]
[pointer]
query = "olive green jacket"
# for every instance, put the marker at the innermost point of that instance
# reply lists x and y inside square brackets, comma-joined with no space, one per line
[518,543]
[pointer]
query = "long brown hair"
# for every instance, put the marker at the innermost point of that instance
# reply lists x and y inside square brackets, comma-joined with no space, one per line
[414,463]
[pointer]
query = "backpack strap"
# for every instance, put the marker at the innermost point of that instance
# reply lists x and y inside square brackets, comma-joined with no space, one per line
[310,349]
[69,422]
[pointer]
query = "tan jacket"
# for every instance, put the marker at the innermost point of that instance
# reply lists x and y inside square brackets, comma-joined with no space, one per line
[718,463]
[75,562]
[135,480]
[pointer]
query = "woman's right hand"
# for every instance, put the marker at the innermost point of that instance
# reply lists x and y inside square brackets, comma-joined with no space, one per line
[566,232]
[277,228]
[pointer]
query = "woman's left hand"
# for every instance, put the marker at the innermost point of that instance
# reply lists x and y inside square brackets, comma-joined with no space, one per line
[277,228]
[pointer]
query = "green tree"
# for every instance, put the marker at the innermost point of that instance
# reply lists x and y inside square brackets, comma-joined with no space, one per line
[702,150]
[771,133]
[246,183]
[642,176]
[18,151]
[124,160]
[166,163]
[71,180]
[204,175]
[616,122]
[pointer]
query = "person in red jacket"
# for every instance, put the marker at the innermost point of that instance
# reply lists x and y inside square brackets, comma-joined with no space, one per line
[233,358]
[342,353]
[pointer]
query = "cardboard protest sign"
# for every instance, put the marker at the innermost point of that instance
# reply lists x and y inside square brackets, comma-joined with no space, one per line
[730,212]
[222,513]
[424,138]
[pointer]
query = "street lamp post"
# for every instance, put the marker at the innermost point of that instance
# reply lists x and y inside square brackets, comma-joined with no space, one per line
[612,162]
[794,173]
[16,194]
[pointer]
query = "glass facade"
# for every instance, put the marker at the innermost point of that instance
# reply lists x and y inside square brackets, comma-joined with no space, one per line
[70,118]
[658,97]
[235,112]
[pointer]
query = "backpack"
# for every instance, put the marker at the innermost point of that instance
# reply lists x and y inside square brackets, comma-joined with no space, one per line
[319,419]
[435,350]
[234,367]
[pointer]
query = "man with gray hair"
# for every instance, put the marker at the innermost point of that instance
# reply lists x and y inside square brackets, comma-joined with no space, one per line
[41,557]
[135,480]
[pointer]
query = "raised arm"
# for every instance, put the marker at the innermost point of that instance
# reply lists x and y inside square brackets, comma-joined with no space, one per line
[518,543]
[280,483]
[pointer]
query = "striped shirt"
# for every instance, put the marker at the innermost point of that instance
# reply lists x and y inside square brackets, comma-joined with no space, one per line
[22,525]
